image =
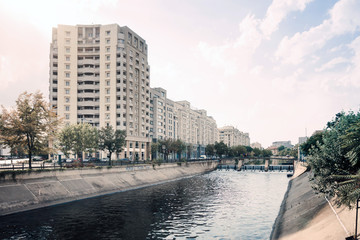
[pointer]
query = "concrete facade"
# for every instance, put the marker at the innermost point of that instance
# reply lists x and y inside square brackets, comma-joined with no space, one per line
[232,136]
[178,120]
[99,74]
[27,191]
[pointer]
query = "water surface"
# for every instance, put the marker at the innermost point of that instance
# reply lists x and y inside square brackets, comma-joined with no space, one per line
[217,205]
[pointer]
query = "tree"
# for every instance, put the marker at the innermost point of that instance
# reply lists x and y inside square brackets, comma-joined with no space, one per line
[180,146]
[85,138]
[239,150]
[29,125]
[209,149]
[111,140]
[266,153]
[281,148]
[312,142]
[154,149]
[221,148]
[334,162]
[257,152]
[66,140]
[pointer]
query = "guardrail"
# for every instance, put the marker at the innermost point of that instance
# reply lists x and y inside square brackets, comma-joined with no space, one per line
[55,165]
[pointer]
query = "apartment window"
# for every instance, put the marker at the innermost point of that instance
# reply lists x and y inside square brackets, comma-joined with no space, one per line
[107,74]
[67,116]
[67,66]
[107,83]
[67,108]
[67,33]
[67,99]
[107,99]
[67,41]
[108,57]
[107,66]
[67,75]
[67,50]
[67,83]
[107,108]
[108,49]
[67,58]
[160,130]
[108,41]
[107,33]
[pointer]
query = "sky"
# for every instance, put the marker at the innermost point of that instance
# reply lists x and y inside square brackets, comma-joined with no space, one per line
[277,69]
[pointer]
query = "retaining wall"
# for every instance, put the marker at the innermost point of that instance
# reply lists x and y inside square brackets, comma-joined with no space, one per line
[27,191]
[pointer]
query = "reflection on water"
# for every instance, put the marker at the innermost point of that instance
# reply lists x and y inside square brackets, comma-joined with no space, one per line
[218,205]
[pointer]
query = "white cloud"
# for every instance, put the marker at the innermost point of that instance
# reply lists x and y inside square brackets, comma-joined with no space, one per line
[277,11]
[344,18]
[331,64]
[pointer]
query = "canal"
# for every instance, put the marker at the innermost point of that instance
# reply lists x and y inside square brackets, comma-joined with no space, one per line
[216,205]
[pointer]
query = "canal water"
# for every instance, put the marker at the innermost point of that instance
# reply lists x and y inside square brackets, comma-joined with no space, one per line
[217,205]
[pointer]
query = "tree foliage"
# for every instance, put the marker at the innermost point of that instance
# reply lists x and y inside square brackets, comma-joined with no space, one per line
[111,140]
[334,160]
[78,138]
[313,142]
[28,126]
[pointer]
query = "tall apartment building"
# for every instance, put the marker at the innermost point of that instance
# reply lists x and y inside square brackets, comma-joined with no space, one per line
[99,74]
[231,136]
[177,120]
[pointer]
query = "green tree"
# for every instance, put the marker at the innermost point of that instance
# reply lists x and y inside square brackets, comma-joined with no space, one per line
[78,138]
[66,140]
[239,150]
[221,148]
[266,153]
[257,152]
[281,148]
[180,146]
[333,161]
[209,149]
[154,149]
[111,140]
[29,125]
[313,142]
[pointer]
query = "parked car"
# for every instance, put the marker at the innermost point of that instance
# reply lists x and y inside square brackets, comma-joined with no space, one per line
[69,160]
[105,159]
[37,158]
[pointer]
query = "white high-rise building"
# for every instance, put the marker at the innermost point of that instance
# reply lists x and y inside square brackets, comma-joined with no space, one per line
[232,136]
[99,74]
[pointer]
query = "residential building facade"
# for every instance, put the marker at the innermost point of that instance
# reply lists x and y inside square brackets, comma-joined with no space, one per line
[232,136]
[99,74]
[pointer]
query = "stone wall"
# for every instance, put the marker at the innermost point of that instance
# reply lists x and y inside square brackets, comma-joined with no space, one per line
[27,191]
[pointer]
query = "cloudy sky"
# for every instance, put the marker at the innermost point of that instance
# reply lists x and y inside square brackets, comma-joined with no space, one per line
[273,68]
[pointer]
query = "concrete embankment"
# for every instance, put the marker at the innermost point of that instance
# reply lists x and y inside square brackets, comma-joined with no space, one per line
[20,192]
[306,215]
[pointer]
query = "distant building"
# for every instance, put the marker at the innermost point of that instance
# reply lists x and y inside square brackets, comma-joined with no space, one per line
[256,145]
[302,140]
[232,136]
[286,144]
